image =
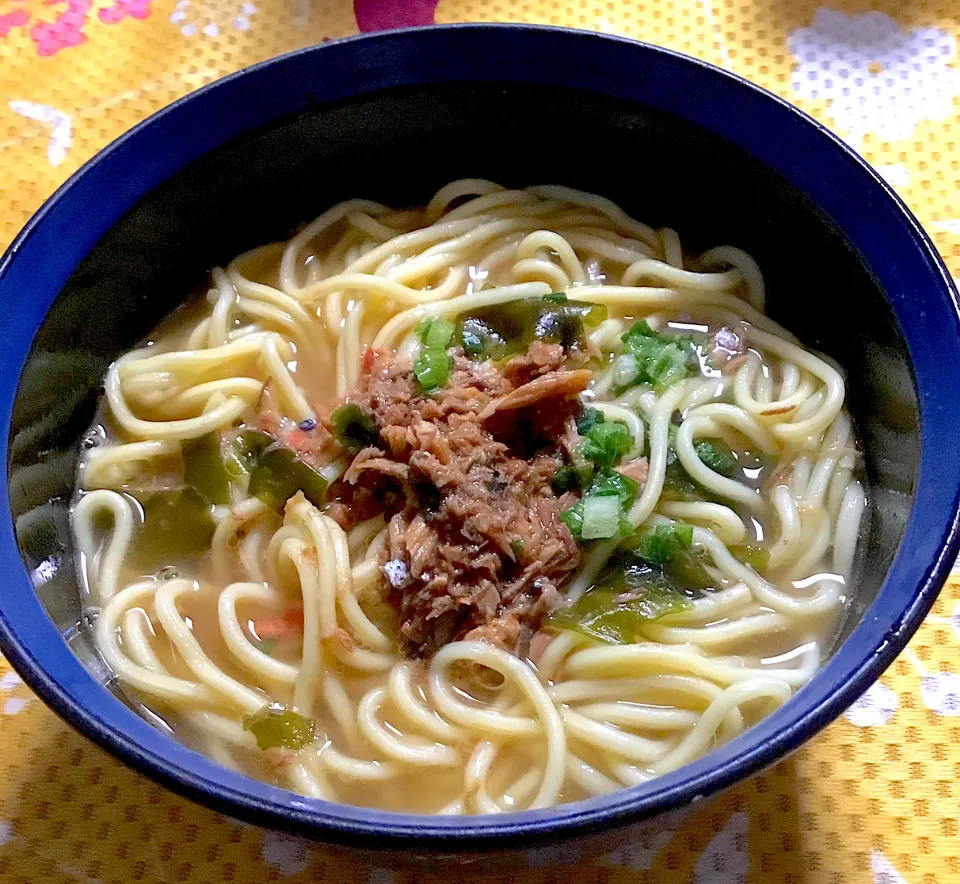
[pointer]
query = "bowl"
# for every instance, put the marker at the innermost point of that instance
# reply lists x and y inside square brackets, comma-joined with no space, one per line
[392,117]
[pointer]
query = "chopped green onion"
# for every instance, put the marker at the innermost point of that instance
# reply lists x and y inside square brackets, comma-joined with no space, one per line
[567,478]
[611,486]
[432,369]
[276,727]
[606,443]
[517,546]
[573,519]
[656,359]
[603,446]
[435,333]
[601,518]
[354,428]
[626,370]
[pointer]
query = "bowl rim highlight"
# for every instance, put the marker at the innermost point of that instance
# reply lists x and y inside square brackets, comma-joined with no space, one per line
[889,239]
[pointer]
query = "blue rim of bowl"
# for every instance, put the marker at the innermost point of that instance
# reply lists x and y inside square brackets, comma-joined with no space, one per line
[888,238]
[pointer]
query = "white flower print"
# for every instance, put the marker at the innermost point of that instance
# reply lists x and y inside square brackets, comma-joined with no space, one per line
[58,121]
[875,76]
[209,18]
[883,870]
[288,855]
[647,841]
[941,693]
[895,174]
[876,707]
[725,859]
[9,685]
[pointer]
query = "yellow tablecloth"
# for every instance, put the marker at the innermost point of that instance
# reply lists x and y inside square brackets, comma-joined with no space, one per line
[874,798]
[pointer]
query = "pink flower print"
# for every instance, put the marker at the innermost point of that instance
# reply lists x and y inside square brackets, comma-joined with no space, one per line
[122,9]
[67,30]
[384,15]
[10,20]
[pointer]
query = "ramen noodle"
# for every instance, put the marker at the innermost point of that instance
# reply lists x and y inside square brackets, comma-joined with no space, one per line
[483,506]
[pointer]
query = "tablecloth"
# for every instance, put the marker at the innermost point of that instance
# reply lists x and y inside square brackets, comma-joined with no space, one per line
[872,799]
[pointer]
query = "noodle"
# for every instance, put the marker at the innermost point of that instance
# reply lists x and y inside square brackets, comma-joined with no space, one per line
[242,609]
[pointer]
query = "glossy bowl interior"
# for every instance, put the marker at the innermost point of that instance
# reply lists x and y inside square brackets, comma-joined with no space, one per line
[393,117]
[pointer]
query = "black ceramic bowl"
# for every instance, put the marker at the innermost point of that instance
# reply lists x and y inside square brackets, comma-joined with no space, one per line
[392,117]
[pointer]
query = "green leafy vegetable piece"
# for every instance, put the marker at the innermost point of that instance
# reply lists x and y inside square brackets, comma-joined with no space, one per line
[688,571]
[660,360]
[276,727]
[432,369]
[204,467]
[245,450]
[517,546]
[664,544]
[435,333]
[267,645]
[717,456]
[606,443]
[590,418]
[280,474]
[354,428]
[478,339]
[670,548]
[627,595]
[599,614]
[499,330]
[177,524]
[677,484]
[611,483]
[753,555]
[568,478]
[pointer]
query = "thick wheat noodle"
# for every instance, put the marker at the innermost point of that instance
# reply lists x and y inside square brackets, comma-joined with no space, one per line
[104,465]
[721,519]
[110,555]
[584,718]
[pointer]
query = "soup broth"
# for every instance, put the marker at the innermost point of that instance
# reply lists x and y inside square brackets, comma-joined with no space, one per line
[482,506]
